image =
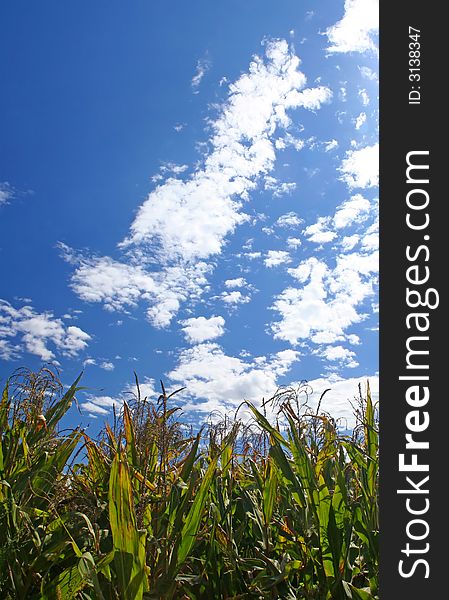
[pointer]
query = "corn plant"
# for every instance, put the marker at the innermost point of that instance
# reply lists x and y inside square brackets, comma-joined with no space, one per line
[279,507]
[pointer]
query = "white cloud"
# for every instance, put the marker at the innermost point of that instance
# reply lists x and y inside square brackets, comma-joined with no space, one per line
[217,381]
[202,67]
[340,355]
[89,361]
[118,286]
[360,120]
[206,208]
[330,145]
[6,193]
[293,242]
[107,365]
[115,284]
[278,188]
[252,255]
[319,232]
[183,223]
[368,73]
[360,168]
[312,98]
[354,210]
[364,97]
[290,219]
[357,30]
[233,283]
[33,332]
[370,240]
[349,242]
[201,329]
[173,168]
[103,405]
[343,392]
[325,305]
[289,140]
[277,257]
[234,297]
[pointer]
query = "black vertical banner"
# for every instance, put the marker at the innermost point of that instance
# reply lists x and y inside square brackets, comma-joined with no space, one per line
[414,368]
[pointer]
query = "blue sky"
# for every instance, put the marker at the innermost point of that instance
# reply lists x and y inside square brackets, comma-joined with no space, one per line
[190,191]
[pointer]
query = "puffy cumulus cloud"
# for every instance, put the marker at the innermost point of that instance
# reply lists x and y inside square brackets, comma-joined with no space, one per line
[342,395]
[354,210]
[120,286]
[235,297]
[340,355]
[279,188]
[233,283]
[370,241]
[360,168]
[289,220]
[184,223]
[116,284]
[275,258]
[220,382]
[357,30]
[201,329]
[24,329]
[319,232]
[179,215]
[289,140]
[348,242]
[325,305]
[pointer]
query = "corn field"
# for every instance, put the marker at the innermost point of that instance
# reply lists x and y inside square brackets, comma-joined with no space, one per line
[243,509]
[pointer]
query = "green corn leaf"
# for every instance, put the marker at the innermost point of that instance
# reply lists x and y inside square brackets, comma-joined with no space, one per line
[371,441]
[266,425]
[356,593]
[4,409]
[269,492]
[56,412]
[129,436]
[193,519]
[64,586]
[129,543]
[283,463]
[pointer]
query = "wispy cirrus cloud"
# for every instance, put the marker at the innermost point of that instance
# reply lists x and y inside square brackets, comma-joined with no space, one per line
[102,405]
[203,65]
[6,193]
